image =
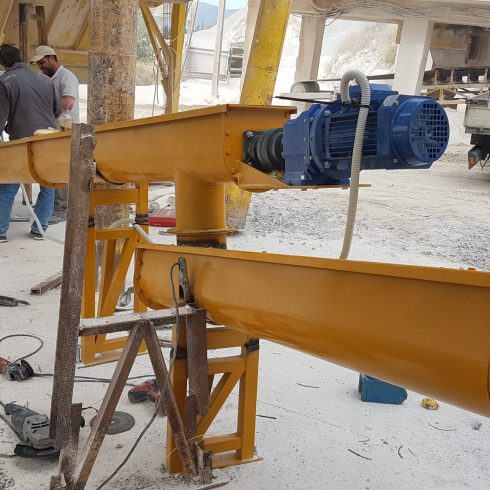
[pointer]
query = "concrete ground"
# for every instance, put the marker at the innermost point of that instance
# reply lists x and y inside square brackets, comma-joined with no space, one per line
[315,437]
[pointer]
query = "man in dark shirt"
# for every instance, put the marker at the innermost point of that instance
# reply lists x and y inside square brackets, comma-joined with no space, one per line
[27,103]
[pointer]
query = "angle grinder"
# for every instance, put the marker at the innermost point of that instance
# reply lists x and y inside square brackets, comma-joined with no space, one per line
[32,429]
[16,371]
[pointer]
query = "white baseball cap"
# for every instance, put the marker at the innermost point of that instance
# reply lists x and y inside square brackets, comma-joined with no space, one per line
[41,52]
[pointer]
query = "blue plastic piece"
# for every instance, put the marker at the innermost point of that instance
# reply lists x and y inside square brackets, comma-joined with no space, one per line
[402,132]
[376,391]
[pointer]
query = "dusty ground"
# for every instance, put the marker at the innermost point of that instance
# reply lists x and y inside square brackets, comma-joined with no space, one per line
[435,217]
[439,217]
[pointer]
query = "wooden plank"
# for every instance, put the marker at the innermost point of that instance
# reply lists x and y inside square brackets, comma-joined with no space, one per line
[120,323]
[23,18]
[169,402]
[42,32]
[48,284]
[82,170]
[109,404]
[197,359]
[5,9]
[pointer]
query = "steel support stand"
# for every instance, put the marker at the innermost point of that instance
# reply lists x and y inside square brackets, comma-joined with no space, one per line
[99,349]
[228,449]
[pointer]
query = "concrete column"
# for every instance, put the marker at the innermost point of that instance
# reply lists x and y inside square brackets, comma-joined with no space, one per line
[111,61]
[111,81]
[310,48]
[412,55]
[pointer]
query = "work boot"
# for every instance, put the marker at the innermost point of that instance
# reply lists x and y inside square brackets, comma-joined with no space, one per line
[57,218]
[36,236]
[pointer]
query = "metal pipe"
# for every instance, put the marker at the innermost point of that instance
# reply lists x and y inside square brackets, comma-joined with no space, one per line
[423,328]
[200,213]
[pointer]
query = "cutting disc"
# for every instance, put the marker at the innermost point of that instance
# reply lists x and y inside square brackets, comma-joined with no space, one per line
[120,422]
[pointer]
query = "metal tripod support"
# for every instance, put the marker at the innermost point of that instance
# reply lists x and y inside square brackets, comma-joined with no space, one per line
[75,467]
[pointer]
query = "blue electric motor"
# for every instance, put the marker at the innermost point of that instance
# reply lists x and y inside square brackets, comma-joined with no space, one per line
[402,132]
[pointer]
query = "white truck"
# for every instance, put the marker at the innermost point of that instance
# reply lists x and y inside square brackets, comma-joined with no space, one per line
[477,123]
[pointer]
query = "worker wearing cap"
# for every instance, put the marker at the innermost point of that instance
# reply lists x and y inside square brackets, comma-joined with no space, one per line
[66,87]
[27,103]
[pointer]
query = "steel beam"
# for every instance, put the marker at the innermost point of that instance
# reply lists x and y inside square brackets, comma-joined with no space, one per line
[177,34]
[82,172]
[265,53]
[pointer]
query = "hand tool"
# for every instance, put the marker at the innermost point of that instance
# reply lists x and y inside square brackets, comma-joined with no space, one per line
[9,301]
[148,390]
[16,371]
[32,429]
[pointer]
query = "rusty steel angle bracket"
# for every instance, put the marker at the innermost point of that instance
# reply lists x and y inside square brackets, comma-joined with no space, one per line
[109,403]
[82,171]
[197,359]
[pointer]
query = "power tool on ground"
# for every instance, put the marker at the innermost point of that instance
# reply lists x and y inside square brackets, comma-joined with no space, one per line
[148,390]
[9,301]
[16,371]
[32,429]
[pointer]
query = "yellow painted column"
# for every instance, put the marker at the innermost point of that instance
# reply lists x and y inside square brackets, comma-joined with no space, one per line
[200,212]
[177,34]
[258,86]
[265,53]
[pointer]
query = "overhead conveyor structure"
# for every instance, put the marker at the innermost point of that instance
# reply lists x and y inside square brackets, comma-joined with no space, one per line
[422,327]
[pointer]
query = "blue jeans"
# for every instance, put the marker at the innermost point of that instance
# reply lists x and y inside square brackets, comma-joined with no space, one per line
[43,208]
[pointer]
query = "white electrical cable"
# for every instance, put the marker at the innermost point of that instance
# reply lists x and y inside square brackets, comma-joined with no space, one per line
[120,222]
[129,221]
[36,219]
[361,80]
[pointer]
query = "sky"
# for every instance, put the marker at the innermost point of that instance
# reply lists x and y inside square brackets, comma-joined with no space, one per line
[230,4]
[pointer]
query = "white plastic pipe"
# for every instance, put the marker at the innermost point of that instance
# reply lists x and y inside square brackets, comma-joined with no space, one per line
[361,80]
[36,219]
[129,221]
